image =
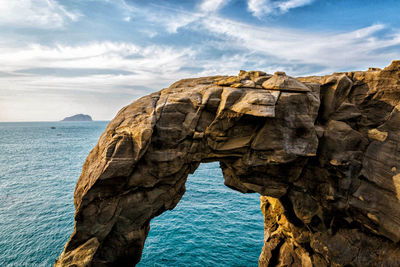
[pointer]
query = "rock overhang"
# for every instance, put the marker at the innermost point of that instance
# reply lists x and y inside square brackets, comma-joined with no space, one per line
[307,142]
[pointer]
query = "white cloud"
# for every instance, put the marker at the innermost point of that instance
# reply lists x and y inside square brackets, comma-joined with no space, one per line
[284,6]
[330,51]
[177,21]
[97,55]
[224,46]
[142,68]
[302,52]
[170,19]
[259,7]
[263,7]
[210,6]
[35,13]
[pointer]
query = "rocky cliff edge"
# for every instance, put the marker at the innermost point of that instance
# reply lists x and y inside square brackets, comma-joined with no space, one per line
[323,152]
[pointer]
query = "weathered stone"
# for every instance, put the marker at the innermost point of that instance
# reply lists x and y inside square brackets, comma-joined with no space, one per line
[81,256]
[377,135]
[257,103]
[248,84]
[322,151]
[228,81]
[346,112]
[260,80]
[335,91]
[251,75]
[280,81]
[236,85]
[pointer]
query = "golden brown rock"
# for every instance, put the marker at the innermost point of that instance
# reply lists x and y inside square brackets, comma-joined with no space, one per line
[322,151]
[280,81]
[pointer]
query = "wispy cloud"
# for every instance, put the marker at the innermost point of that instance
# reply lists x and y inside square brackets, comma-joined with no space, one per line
[147,64]
[106,75]
[104,70]
[234,45]
[284,6]
[263,7]
[209,6]
[330,51]
[259,7]
[302,52]
[35,14]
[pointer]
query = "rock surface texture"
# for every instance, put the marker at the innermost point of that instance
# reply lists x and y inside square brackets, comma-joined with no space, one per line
[323,152]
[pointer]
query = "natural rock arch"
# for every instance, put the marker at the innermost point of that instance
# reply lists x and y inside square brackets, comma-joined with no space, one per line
[321,167]
[212,225]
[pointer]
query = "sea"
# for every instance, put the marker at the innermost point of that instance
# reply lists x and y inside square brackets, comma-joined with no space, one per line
[40,163]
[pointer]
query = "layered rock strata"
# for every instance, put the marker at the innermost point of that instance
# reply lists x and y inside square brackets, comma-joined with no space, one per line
[323,152]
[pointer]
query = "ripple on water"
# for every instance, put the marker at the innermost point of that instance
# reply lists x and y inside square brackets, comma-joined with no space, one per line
[211,226]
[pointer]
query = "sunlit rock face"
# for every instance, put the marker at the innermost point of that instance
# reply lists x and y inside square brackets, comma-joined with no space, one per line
[323,152]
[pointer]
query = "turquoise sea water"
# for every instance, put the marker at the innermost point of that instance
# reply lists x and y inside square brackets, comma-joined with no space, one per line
[39,166]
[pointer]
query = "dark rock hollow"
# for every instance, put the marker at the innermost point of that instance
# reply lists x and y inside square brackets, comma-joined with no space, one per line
[323,152]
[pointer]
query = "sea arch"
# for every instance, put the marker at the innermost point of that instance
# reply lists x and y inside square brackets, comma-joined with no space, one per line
[270,136]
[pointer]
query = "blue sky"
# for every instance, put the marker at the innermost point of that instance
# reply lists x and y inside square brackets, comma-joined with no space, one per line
[62,57]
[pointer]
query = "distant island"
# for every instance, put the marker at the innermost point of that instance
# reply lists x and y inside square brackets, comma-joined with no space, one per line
[78,117]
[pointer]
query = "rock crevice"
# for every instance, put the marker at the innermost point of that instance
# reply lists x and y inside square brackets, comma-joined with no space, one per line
[323,152]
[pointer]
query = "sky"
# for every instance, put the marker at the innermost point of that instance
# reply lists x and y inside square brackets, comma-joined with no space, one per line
[63,57]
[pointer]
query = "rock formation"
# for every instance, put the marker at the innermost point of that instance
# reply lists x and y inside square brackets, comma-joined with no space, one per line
[323,153]
[78,117]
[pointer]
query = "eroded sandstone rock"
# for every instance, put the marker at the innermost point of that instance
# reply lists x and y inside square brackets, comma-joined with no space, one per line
[323,152]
